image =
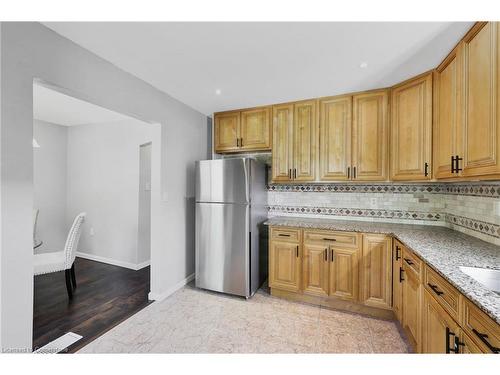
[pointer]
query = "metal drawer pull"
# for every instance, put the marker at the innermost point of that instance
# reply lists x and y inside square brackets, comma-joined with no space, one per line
[326,254]
[409,261]
[329,239]
[283,235]
[483,337]
[435,289]
[332,254]
[398,253]
[401,270]
[448,349]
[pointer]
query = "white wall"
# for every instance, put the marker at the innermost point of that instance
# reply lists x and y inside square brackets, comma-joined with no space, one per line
[103,181]
[30,50]
[49,179]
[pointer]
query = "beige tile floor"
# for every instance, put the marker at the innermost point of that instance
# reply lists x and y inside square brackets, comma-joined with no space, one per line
[196,321]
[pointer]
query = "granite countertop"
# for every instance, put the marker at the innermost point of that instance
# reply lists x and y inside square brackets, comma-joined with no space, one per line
[444,249]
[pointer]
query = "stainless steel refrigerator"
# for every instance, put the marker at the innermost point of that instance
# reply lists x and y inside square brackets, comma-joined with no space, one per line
[231,242]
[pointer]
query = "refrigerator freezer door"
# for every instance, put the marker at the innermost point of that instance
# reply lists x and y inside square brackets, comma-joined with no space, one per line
[222,262]
[222,181]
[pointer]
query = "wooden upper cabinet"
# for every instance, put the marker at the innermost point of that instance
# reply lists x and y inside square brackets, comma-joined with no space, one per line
[284,265]
[227,131]
[447,131]
[305,132]
[411,129]
[255,131]
[481,100]
[282,163]
[376,267]
[315,270]
[370,136]
[335,138]
[246,130]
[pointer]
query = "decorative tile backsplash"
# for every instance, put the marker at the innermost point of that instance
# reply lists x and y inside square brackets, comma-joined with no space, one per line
[472,208]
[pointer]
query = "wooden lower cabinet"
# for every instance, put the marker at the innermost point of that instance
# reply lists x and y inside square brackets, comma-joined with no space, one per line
[438,328]
[315,270]
[376,266]
[411,306]
[397,279]
[344,273]
[285,264]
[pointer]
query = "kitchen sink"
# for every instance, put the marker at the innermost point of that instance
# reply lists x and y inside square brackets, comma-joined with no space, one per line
[490,278]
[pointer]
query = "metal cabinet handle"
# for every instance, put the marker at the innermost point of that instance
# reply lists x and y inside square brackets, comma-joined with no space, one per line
[484,338]
[297,251]
[237,142]
[290,174]
[452,164]
[241,142]
[329,239]
[294,173]
[398,252]
[458,344]
[401,270]
[332,254]
[348,173]
[409,261]
[457,165]
[448,349]
[283,235]
[325,253]
[435,289]
[354,172]
[426,169]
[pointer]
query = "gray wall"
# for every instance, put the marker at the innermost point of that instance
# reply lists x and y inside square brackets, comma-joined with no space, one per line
[30,50]
[103,181]
[49,178]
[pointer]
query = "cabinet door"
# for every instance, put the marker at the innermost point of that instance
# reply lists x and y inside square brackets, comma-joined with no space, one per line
[447,133]
[282,142]
[397,287]
[344,273]
[284,266]
[255,129]
[315,270]
[411,129]
[467,345]
[411,306]
[481,99]
[335,138]
[370,136]
[376,273]
[227,131]
[438,328]
[305,141]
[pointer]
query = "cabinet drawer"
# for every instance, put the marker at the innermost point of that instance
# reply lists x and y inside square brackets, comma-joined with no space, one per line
[411,261]
[343,239]
[442,291]
[285,234]
[480,327]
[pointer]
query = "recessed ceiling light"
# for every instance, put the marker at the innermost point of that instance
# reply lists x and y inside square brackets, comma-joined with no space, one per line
[363,65]
[218,92]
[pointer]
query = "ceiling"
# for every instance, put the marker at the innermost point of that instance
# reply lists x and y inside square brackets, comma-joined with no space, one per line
[57,108]
[262,63]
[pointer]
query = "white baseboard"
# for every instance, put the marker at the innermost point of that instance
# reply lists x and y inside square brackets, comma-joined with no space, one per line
[114,262]
[161,296]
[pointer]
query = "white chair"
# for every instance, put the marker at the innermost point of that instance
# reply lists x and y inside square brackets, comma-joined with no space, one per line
[62,260]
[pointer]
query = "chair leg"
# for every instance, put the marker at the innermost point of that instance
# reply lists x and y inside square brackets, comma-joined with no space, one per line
[73,275]
[69,288]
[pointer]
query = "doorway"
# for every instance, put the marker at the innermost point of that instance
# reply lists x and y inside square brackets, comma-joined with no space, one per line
[88,159]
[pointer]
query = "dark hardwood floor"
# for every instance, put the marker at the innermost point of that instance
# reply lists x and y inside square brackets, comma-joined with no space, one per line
[106,295]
